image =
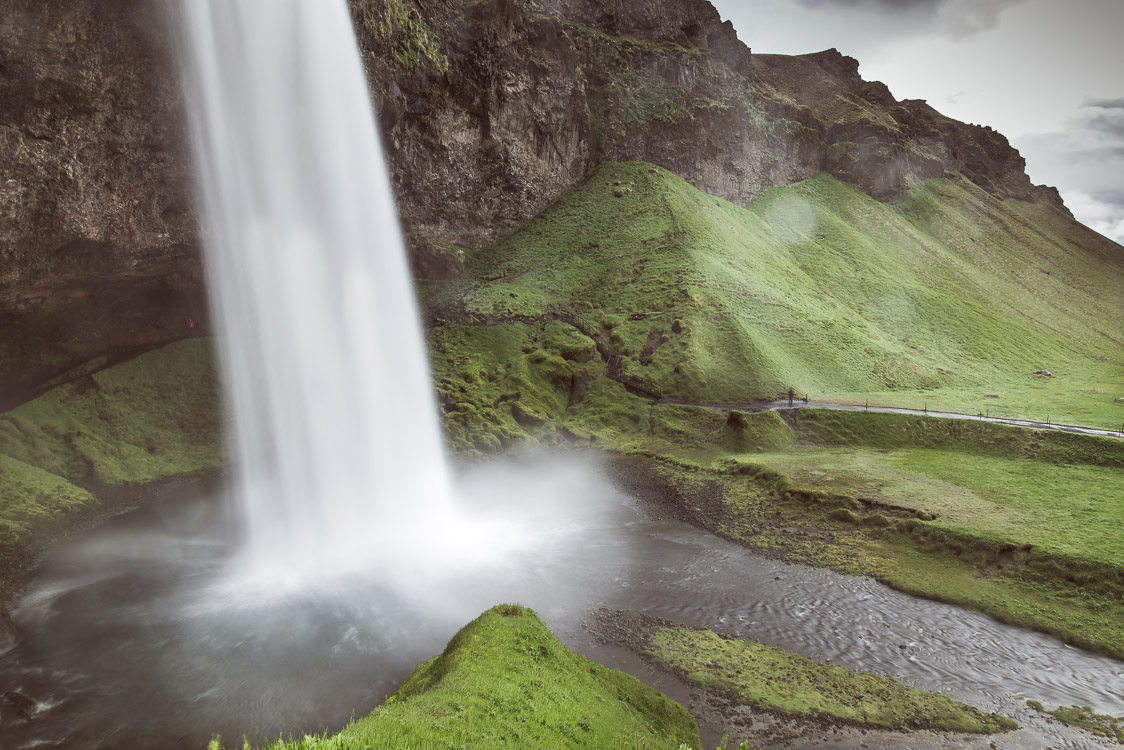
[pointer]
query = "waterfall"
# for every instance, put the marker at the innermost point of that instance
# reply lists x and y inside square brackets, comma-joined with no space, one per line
[338,450]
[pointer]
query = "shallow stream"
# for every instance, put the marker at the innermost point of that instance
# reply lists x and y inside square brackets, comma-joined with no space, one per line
[136,636]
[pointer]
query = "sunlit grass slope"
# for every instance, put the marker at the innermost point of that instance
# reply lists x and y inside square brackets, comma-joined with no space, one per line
[953,298]
[505,681]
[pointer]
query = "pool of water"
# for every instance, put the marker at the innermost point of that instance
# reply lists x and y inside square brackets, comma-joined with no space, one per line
[138,634]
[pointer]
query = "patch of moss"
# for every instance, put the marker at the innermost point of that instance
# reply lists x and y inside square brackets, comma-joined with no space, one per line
[32,501]
[505,681]
[1099,725]
[755,432]
[148,419]
[398,27]
[773,679]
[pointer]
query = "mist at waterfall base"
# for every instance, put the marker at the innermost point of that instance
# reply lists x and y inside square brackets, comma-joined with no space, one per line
[341,469]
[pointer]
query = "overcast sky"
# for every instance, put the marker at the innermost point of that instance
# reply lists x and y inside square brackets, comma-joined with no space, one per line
[1047,74]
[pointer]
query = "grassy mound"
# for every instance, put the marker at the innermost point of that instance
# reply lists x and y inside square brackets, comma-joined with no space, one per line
[505,681]
[772,679]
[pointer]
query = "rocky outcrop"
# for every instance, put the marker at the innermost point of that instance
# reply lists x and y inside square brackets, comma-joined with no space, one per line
[493,110]
[97,235]
[881,144]
[489,110]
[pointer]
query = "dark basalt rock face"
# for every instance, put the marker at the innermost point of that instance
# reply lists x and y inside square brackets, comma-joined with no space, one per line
[881,144]
[97,237]
[489,110]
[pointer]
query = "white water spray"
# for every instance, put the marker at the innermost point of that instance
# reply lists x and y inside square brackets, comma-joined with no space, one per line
[339,453]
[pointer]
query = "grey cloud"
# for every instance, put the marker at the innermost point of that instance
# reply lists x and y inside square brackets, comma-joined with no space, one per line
[956,19]
[1086,162]
[1105,103]
[905,6]
[964,19]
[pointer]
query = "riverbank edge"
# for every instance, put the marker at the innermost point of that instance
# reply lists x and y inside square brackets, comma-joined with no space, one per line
[820,529]
[19,564]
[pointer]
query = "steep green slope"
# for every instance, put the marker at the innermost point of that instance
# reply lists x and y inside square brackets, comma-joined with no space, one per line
[953,298]
[505,681]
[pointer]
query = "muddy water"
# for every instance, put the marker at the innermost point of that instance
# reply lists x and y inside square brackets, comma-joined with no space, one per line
[132,637]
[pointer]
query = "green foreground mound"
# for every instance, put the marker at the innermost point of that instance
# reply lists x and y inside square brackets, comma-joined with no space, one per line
[505,681]
[775,680]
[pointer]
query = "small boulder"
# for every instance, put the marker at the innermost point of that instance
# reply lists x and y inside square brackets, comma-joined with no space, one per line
[1047,373]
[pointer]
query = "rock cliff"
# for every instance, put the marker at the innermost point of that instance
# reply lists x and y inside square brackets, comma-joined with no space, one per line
[490,109]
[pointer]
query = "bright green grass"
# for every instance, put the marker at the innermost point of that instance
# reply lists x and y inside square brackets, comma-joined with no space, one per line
[819,287]
[505,681]
[32,501]
[151,418]
[774,679]
[1070,510]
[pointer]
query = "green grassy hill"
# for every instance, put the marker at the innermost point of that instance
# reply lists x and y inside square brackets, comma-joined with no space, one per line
[953,298]
[505,681]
